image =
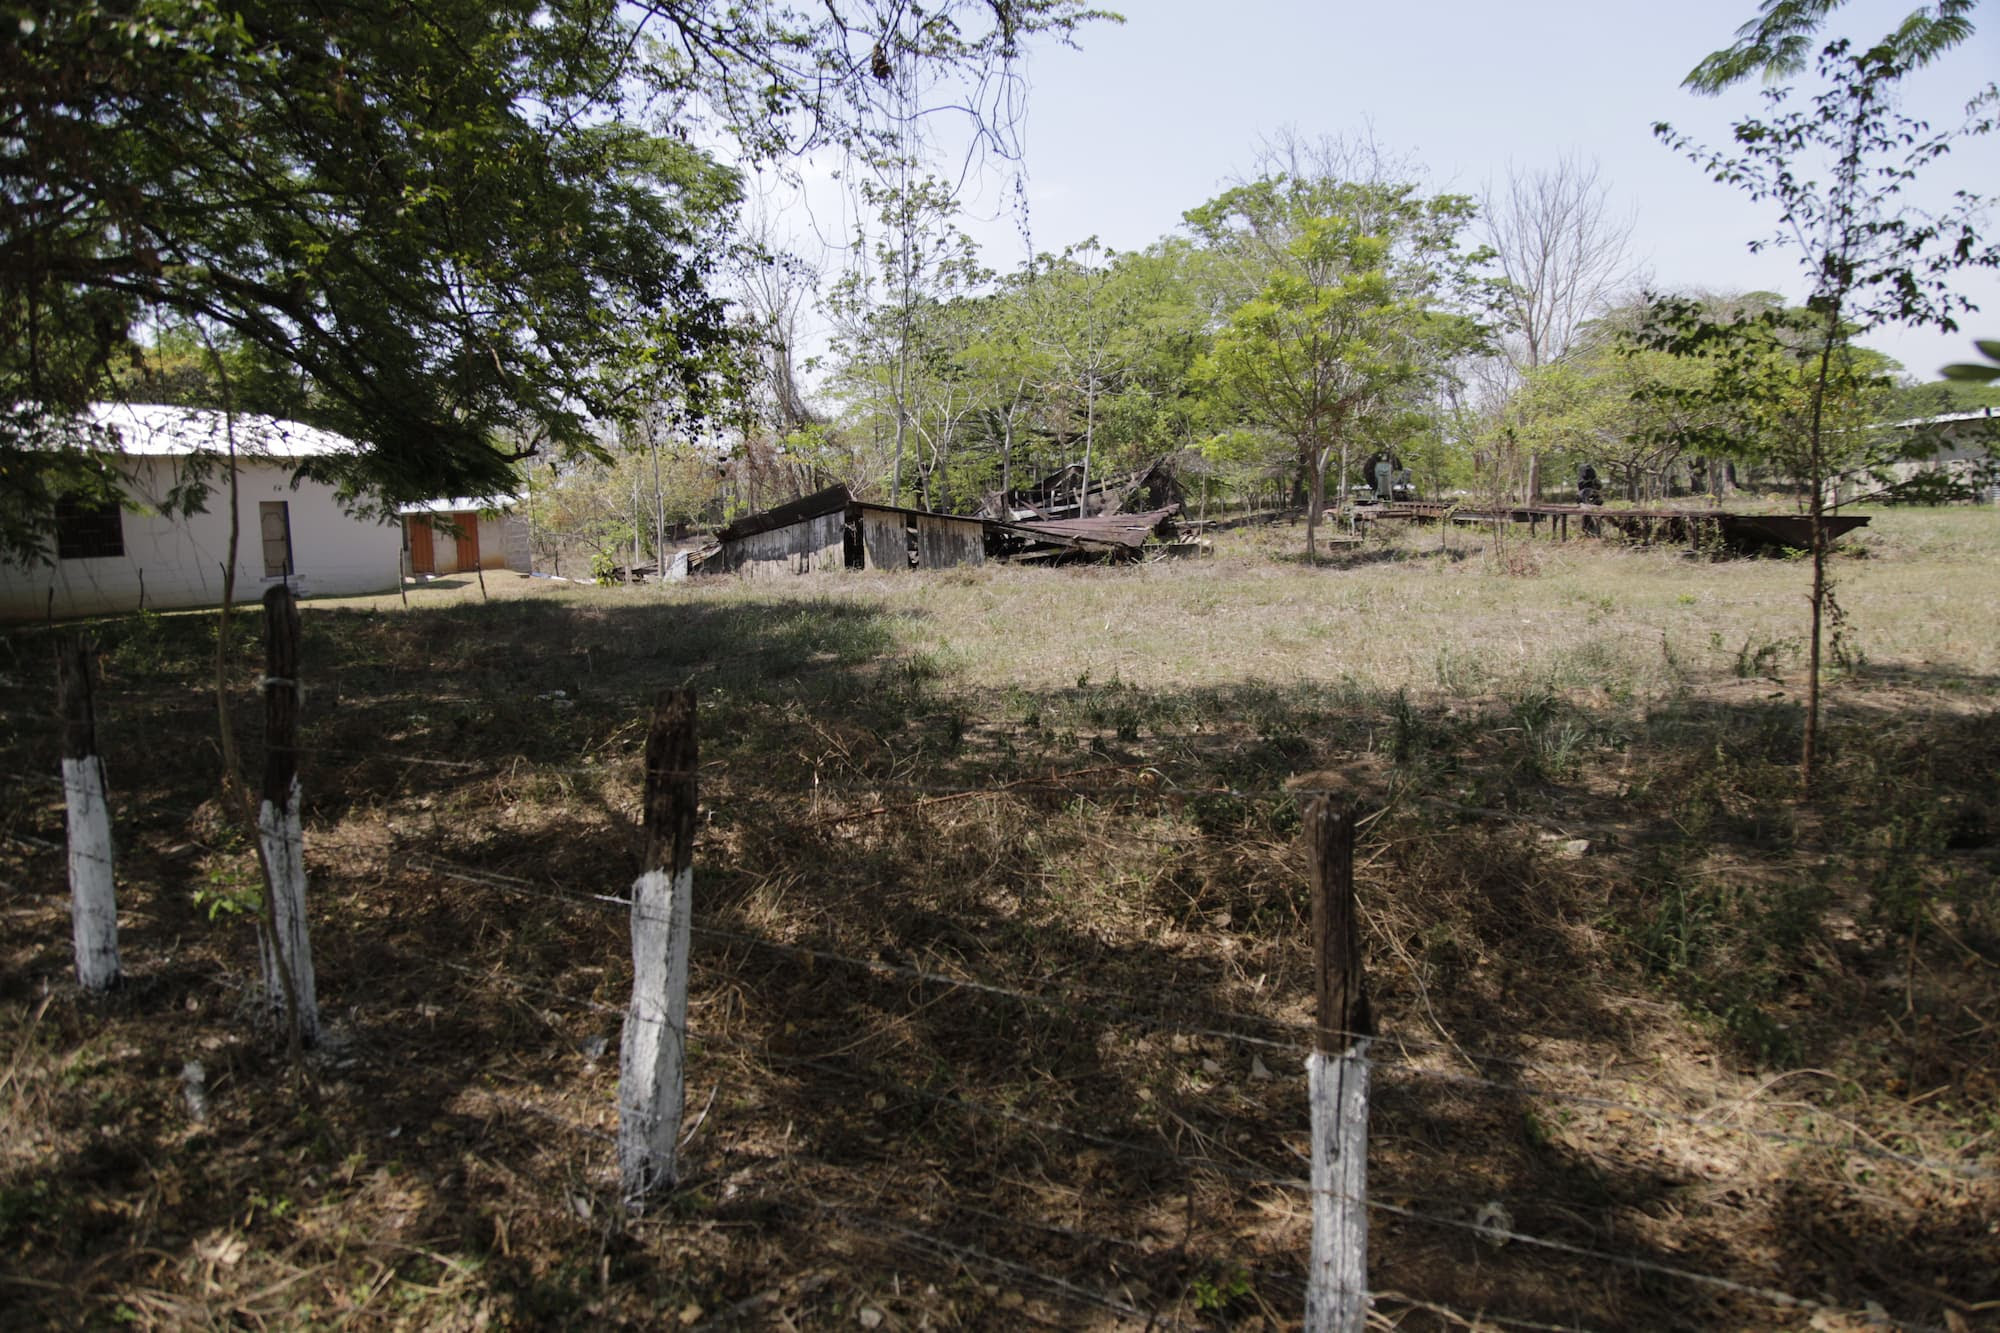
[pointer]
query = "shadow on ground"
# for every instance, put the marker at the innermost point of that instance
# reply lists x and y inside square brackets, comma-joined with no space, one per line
[1568,908]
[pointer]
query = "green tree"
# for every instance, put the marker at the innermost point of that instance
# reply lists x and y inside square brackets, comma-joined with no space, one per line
[1359,287]
[1008,360]
[1078,305]
[437,227]
[896,314]
[422,209]
[1869,262]
[1782,40]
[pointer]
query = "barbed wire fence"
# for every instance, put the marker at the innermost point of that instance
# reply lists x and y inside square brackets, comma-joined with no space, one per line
[1399,1059]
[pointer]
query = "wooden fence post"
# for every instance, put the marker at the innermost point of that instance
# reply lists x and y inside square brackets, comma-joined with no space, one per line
[286,951]
[653,1050]
[93,903]
[1337,1274]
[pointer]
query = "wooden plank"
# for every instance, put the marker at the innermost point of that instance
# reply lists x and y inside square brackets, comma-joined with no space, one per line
[885,542]
[944,542]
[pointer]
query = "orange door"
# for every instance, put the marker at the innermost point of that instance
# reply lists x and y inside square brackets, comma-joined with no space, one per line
[468,541]
[423,555]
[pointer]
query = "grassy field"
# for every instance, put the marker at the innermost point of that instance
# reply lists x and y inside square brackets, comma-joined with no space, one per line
[1636,1000]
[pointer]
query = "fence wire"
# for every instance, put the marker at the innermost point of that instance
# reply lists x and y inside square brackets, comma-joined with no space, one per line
[1485,1230]
[1153,779]
[1396,1065]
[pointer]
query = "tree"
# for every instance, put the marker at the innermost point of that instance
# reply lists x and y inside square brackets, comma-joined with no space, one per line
[1779,42]
[432,226]
[1360,286]
[1006,357]
[1973,372]
[1562,258]
[1869,260]
[892,311]
[413,206]
[1078,308]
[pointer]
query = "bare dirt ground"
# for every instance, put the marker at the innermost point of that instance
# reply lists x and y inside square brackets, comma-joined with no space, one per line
[1660,1044]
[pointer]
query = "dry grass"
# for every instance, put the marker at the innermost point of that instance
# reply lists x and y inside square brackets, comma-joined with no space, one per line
[1632,1047]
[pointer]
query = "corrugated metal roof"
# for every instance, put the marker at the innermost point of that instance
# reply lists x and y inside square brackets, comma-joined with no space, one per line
[156,430]
[460,505]
[829,501]
[1946,419]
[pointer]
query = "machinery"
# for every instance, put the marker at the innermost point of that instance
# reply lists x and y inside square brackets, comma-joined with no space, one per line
[1589,490]
[1385,478]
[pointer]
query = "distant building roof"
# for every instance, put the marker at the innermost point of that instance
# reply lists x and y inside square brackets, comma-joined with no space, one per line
[1947,418]
[156,430]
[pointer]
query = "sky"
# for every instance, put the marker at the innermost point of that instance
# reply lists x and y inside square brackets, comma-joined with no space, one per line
[1152,117]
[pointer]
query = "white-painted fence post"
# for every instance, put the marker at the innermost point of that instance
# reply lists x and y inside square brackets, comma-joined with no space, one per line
[1337,1273]
[286,951]
[652,1066]
[93,901]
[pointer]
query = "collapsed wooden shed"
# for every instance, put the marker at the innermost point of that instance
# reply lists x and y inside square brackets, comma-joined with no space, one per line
[1060,495]
[1114,537]
[833,530]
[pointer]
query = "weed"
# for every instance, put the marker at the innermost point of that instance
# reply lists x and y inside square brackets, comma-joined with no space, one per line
[1760,658]
[1555,748]
[23,1206]
[1406,730]
[1458,672]
[232,887]
[1733,952]
[1217,1289]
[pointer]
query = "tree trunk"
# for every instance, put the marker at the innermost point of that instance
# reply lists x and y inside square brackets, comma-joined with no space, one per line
[1816,479]
[1006,459]
[1089,436]
[1315,502]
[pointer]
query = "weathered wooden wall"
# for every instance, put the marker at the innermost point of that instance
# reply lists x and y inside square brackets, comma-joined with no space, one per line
[944,542]
[884,543]
[815,543]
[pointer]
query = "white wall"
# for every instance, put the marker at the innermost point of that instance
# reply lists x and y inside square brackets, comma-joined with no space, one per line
[180,561]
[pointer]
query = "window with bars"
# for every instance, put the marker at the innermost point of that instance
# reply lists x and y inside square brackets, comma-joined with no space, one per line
[89,529]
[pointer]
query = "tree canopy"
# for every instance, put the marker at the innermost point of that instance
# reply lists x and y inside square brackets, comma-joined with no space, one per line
[1784,38]
[434,227]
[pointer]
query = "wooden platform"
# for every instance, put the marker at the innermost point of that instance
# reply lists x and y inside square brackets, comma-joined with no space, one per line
[1691,527]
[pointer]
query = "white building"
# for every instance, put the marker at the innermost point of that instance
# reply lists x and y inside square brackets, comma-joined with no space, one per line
[1963,447]
[121,558]
[462,535]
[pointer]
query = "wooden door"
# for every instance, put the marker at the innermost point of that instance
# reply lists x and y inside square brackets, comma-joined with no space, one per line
[274,520]
[423,554]
[468,541]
